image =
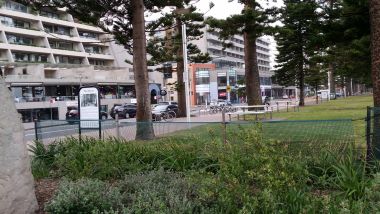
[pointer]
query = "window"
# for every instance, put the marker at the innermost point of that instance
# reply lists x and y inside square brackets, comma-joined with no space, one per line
[62,45]
[96,62]
[16,6]
[10,22]
[88,35]
[16,39]
[49,14]
[93,49]
[68,60]
[202,77]
[62,30]
[26,57]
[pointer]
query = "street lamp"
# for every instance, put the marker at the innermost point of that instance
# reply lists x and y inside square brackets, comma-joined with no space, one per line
[186,72]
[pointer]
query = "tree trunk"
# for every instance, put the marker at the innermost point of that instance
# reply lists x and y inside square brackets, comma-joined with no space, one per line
[316,93]
[374,12]
[252,76]
[331,66]
[16,181]
[302,87]
[144,129]
[180,71]
[332,78]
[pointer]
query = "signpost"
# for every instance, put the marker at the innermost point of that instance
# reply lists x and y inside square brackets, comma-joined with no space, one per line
[89,109]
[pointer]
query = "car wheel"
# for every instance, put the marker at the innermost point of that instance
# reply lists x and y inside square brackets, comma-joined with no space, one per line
[104,117]
[127,116]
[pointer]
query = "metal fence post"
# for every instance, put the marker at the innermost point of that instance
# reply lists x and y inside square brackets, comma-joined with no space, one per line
[35,129]
[117,126]
[368,135]
[224,126]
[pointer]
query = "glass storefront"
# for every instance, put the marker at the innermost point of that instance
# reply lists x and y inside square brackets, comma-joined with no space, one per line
[29,115]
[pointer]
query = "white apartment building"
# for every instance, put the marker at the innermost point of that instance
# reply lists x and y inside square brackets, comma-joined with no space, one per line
[231,61]
[47,55]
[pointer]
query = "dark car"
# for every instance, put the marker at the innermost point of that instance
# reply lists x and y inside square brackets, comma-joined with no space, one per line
[73,114]
[123,111]
[165,108]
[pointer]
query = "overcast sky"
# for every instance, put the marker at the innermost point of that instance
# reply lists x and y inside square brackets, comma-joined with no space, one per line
[222,8]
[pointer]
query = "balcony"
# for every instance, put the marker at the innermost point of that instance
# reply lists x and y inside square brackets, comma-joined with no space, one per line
[27,44]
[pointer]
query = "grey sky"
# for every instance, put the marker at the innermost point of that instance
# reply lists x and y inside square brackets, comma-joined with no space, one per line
[222,8]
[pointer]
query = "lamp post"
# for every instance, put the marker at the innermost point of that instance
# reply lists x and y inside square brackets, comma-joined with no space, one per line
[186,72]
[228,85]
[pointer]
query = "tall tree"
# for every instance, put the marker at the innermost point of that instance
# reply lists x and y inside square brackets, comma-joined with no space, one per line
[297,42]
[124,19]
[169,47]
[374,12]
[251,23]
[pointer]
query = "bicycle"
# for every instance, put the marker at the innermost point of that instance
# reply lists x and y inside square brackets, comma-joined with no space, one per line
[168,116]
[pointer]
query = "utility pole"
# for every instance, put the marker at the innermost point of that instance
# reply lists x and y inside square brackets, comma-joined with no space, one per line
[186,72]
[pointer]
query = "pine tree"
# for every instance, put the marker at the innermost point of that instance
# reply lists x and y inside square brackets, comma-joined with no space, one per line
[251,23]
[374,12]
[169,47]
[297,42]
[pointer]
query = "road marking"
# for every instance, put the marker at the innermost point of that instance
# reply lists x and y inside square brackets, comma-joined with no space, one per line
[62,130]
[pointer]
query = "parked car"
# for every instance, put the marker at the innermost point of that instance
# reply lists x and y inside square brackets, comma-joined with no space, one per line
[168,103]
[165,108]
[220,103]
[123,111]
[72,114]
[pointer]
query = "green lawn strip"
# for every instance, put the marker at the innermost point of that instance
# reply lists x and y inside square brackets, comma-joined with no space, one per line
[354,108]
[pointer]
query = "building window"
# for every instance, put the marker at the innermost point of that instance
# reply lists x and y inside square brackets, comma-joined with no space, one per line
[202,77]
[68,60]
[16,6]
[97,62]
[62,45]
[88,35]
[25,57]
[62,30]
[49,14]
[19,40]
[93,49]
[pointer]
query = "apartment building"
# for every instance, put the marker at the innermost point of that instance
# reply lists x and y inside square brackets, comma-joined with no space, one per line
[47,55]
[228,69]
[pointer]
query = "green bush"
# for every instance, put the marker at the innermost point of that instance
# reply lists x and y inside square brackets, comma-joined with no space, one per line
[151,192]
[85,196]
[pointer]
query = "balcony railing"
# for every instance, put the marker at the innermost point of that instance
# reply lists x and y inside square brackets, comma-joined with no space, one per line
[26,44]
[21,27]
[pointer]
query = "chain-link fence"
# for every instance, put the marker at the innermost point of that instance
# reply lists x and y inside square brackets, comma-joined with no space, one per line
[373,132]
[336,134]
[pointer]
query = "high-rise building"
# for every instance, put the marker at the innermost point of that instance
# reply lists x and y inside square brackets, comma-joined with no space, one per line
[229,67]
[47,55]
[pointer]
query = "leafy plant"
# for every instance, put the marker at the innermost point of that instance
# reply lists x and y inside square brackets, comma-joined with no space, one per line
[351,178]
[85,196]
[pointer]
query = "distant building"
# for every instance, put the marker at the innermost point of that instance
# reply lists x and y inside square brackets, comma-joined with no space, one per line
[45,56]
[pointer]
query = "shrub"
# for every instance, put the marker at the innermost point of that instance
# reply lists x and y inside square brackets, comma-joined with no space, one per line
[160,192]
[151,192]
[85,196]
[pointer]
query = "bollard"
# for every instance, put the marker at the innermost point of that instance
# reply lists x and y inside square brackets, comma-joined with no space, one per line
[224,126]
[35,129]
[117,126]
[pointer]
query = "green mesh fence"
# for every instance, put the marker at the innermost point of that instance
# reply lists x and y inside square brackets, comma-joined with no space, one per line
[334,133]
[373,132]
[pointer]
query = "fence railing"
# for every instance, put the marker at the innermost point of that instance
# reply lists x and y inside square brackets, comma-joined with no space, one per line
[373,132]
[313,133]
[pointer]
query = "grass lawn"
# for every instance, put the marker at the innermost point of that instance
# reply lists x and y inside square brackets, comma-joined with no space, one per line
[354,108]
